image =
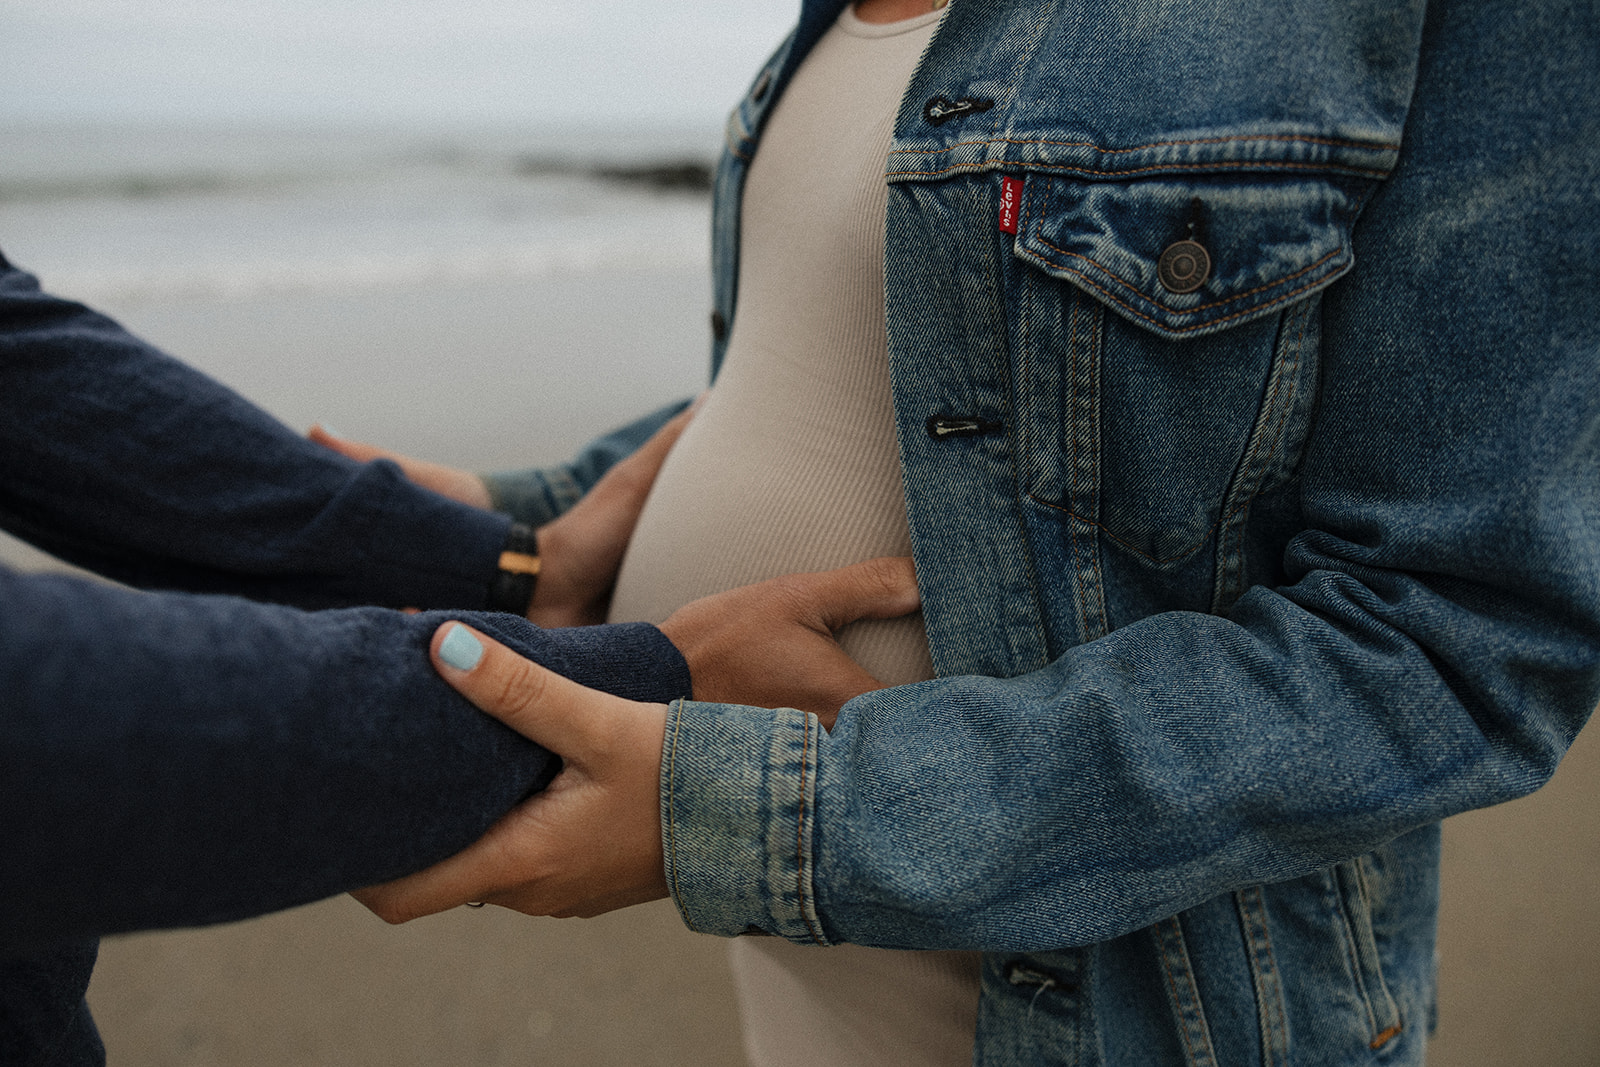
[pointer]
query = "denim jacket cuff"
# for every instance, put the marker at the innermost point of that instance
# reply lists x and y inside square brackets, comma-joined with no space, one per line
[738,802]
[534,496]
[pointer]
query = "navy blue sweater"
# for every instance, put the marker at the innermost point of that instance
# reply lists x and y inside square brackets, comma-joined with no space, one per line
[186,756]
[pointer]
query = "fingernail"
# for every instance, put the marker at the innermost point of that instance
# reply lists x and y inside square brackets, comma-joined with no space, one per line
[329,430]
[460,649]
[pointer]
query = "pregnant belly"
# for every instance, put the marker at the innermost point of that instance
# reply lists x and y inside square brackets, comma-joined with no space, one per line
[756,490]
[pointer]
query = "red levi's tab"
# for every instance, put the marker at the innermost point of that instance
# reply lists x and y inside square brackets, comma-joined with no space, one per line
[1010,203]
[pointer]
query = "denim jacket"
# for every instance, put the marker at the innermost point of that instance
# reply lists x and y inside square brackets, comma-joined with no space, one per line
[1240,571]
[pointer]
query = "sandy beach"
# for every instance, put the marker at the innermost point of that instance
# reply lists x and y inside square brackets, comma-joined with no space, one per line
[492,375]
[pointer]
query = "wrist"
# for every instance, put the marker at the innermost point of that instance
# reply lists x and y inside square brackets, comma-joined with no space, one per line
[563,596]
[516,580]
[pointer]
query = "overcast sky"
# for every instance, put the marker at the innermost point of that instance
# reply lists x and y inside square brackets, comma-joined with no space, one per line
[482,61]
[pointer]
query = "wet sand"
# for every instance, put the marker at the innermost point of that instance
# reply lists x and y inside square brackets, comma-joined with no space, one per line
[491,376]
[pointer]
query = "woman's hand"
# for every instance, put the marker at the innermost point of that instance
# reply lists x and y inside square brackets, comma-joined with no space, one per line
[591,841]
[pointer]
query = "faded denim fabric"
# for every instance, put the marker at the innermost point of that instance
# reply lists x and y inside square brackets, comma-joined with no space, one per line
[1235,592]
[537,495]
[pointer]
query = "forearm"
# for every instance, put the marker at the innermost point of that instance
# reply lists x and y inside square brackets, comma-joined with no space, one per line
[123,460]
[1183,758]
[177,760]
[537,495]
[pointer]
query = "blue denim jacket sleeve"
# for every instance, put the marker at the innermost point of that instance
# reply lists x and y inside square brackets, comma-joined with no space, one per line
[536,495]
[1426,639]
[129,463]
[172,759]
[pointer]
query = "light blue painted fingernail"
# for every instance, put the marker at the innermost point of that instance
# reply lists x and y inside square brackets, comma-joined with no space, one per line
[460,649]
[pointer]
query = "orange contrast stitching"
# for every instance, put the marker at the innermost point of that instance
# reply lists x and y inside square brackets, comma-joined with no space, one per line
[1386,1037]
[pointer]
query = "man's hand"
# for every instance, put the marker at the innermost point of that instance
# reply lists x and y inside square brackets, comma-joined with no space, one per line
[459,485]
[581,551]
[588,844]
[772,644]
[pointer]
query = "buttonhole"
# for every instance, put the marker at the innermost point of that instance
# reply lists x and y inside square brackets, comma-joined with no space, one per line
[944,427]
[941,109]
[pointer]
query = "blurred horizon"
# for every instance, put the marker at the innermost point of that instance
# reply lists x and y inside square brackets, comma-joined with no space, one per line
[407,62]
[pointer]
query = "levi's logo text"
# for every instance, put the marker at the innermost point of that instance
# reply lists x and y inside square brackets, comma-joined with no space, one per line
[1010,203]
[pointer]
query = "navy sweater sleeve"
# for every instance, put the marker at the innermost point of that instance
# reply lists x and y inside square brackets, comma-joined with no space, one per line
[133,465]
[170,759]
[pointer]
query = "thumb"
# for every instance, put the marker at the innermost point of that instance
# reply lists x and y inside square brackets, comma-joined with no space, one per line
[636,473]
[541,705]
[882,588]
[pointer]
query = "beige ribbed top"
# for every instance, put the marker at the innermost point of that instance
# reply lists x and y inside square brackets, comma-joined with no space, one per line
[791,464]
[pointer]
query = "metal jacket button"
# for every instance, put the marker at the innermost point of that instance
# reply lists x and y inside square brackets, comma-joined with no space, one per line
[1184,267]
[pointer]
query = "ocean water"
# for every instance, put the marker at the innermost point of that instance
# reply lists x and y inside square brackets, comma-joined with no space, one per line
[489,297]
[131,214]
[204,147]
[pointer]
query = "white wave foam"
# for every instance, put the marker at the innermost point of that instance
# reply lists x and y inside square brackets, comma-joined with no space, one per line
[373,272]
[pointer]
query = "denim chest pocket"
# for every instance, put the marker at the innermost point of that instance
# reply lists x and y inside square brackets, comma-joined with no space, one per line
[1167,342]
[1187,258]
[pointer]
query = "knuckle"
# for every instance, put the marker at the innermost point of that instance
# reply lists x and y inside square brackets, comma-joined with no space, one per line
[793,595]
[520,688]
[888,575]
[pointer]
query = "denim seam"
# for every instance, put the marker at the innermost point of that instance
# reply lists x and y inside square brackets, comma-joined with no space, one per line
[800,831]
[1265,467]
[1199,325]
[1133,288]
[1215,525]
[1184,993]
[1088,434]
[1259,138]
[1252,911]
[1160,168]
[1367,975]
[1352,950]
[672,813]
[1022,469]
[1130,546]
[1389,1033]
[1072,484]
[1253,472]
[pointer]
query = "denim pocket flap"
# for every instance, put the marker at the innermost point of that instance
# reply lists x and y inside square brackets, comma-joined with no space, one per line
[1189,257]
